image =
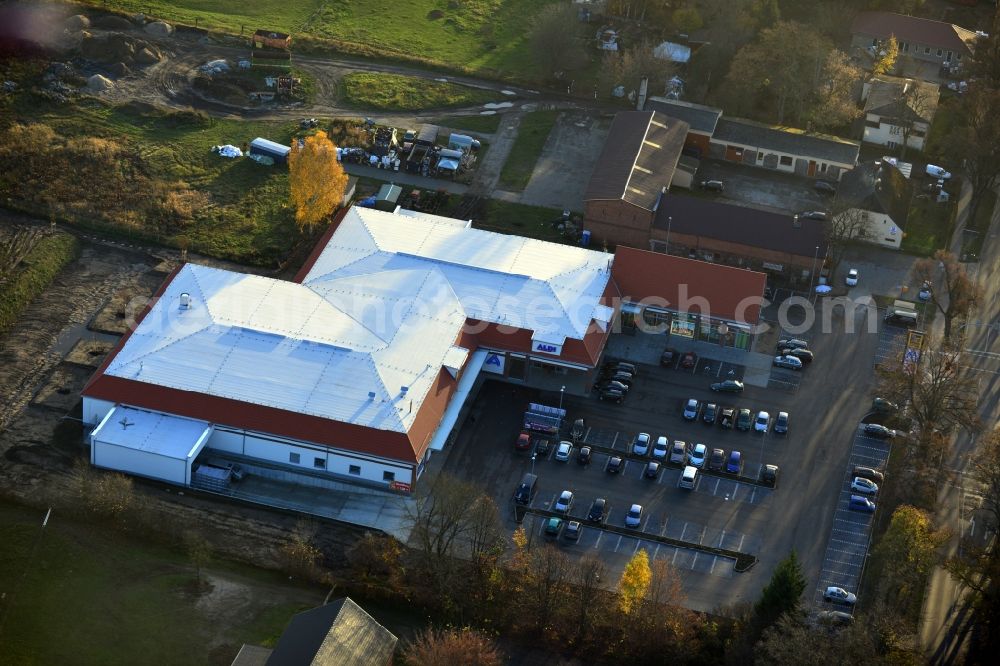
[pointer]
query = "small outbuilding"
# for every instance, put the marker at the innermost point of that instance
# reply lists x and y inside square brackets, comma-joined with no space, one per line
[267,148]
[388,197]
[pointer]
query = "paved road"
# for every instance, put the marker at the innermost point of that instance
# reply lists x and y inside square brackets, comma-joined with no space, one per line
[945,618]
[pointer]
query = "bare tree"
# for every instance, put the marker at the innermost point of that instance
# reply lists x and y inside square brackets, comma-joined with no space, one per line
[555,42]
[835,104]
[587,594]
[546,586]
[955,294]
[913,106]
[939,395]
[451,647]
[975,141]
[847,223]
[627,68]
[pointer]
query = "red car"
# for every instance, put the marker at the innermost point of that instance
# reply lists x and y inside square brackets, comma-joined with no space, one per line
[689,360]
[523,442]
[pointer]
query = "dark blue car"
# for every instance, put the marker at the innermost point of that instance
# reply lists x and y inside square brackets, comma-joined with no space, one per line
[735,463]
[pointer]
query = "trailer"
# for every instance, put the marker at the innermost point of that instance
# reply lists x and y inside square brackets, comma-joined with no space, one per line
[265,148]
[544,419]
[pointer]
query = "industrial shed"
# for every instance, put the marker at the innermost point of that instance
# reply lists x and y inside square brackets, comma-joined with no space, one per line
[151,444]
[267,148]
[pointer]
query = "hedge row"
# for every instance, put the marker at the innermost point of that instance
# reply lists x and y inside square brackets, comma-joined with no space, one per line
[36,272]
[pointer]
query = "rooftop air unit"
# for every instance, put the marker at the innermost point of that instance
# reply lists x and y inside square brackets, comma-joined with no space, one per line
[185,301]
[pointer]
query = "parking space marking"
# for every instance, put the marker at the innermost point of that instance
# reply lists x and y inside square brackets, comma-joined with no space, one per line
[638,542]
[618,545]
[600,534]
[615,440]
[701,537]
[673,560]
[694,559]
[715,490]
[739,548]
[714,560]
[681,538]
[753,494]
[721,537]
[664,529]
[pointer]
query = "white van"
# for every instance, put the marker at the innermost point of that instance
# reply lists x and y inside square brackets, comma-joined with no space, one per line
[688,477]
[678,454]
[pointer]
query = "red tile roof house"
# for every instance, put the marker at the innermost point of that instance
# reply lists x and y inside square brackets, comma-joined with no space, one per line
[941,44]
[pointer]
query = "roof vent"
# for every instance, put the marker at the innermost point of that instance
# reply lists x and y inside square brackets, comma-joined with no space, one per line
[371,395]
[185,301]
[403,390]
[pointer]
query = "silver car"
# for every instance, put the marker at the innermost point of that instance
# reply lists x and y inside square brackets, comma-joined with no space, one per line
[564,451]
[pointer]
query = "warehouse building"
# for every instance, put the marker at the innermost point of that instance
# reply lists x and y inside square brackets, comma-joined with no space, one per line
[356,371]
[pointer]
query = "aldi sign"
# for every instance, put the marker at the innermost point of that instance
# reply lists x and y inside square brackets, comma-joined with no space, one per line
[547,348]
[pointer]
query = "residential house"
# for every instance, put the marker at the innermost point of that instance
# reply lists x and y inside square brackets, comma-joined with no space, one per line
[899,110]
[632,174]
[340,633]
[923,40]
[877,197]
[783,149]
[700,119]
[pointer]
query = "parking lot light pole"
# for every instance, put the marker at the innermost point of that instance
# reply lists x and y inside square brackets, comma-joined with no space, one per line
[562,390]
[533,456]
[812,275]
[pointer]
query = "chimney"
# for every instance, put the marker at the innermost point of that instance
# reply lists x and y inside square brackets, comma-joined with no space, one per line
[403,390]
[371,395]
[185,301]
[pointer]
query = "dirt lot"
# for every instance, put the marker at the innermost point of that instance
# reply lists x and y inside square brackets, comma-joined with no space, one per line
[564,167]
[62,391]
[89,352]
[121,309]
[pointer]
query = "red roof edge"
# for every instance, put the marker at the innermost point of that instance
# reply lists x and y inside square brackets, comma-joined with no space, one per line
[320,245]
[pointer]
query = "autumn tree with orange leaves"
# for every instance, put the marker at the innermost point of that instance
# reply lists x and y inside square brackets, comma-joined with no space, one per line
[316,179]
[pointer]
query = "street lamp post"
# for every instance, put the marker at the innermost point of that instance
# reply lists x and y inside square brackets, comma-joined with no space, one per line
[561,391]
[812,274]
[533,456]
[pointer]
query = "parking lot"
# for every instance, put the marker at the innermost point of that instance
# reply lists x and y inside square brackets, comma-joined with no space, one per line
[850,536]
[763,188]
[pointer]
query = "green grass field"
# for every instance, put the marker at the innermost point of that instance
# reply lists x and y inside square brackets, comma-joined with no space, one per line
[476,35]
[928,226]
[393,92]
[80,594]
[531,137]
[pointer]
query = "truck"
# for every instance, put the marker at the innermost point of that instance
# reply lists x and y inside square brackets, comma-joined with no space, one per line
[544,419]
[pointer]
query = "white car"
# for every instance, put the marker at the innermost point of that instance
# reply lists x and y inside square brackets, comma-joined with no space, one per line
[864,486]
[839,595]
[762,422]
[634,516]
[852,278]
[937,172]
[641,445]
[691,409]
[564,451]
[660,448]
[564,502]
[698,455]
[788,362]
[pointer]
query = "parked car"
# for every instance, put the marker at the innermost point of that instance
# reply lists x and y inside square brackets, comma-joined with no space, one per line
[762,422]
[864,486]
[712,185]
[614,465]
[925,292]
[679,452]
[781,423]
[884,406]
[542,447]
[839,595]
[689,360]
[640,446]
[769,475]
[860,503]
[869,473]
[935,171]
[879,431]
[835,617]
[823,187]
[634,516]
[852,278]
[710,413]
[801,353]
[552,527]
[727,417]
[691,409]
[612,395]
[584,456]
[744,419]
[652,469]
[572,531]
[813,215]
[523,442]
[717,460]
[625,366]
[668,357]
[791,343]
[613,385]
[735,463]
[698,453]
[598,510]
[564,502]
[579,430]
[660,448]
[728,386]
[625,378]
[790,362]
[564,451]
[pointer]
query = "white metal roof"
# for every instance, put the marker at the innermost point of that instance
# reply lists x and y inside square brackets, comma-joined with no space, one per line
[152,432]
[548,288]
[318,351]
